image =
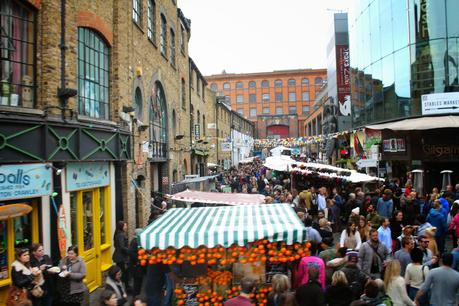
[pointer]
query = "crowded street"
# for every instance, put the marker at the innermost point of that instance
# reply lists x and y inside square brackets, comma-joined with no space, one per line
[229,153]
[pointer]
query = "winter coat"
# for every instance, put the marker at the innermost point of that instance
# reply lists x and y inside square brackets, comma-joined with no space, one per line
[77,274]
[121,244]
[21,275]
[438,220]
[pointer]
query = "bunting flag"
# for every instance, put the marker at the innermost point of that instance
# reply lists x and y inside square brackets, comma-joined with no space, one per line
[297,142]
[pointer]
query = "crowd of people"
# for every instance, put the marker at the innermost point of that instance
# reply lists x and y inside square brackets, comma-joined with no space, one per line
[389,246]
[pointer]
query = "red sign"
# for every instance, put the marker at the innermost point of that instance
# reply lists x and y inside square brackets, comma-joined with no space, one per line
[343,79]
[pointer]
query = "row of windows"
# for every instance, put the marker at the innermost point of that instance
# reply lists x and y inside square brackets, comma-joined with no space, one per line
[166,37]
[266,97]
[265,84]
[279,111]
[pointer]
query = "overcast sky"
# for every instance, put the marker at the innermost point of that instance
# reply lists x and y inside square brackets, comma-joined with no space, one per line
[259,35]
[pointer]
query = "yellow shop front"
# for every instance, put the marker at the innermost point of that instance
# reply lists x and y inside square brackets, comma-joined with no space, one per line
[24,188]
[87,198]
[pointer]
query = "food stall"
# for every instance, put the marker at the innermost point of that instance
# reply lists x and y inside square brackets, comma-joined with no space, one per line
[229,242]
[216,198]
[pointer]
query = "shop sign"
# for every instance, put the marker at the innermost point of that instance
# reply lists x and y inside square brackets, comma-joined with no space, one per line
[440,150]
[25,181]
[87,175]
[440,103]
[363,163]
[191,291]
[343,78]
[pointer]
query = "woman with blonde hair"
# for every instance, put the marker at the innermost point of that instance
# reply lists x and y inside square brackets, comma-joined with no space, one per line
[339,293]
[395,285]
[281,295]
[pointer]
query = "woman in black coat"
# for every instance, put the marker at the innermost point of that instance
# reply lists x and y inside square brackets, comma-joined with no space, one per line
[121,253]
[22,275]
[39,260]
[339,293]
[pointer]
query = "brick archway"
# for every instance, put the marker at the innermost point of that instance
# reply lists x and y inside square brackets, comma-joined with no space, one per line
[91,20]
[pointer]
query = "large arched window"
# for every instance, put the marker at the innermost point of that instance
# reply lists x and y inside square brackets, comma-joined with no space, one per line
[158,122]
[93,74]
[318,81]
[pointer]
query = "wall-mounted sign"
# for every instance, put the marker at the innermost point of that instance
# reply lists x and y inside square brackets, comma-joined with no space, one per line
[440,103]
[87,175]
[25,181]
[226,146]
[211,126]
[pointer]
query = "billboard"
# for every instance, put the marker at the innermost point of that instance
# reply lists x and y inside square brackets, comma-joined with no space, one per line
[343,79]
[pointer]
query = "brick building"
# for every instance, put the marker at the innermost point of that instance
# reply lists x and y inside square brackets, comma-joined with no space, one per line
[99,120]
[277,102]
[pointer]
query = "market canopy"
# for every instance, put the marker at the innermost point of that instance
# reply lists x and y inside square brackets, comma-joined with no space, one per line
[218,197]
[224,226]
[422,123]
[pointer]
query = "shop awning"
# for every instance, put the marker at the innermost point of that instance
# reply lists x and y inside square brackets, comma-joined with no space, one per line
[218,198]
[224,226]
[423,123]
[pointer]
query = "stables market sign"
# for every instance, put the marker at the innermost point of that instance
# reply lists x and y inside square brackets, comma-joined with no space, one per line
[441,151]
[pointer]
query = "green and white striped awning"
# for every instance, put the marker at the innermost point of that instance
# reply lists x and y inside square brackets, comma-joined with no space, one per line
[224,226]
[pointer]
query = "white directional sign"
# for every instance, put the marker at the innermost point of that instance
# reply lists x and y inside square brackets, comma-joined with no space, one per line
[363,163]
[440,103]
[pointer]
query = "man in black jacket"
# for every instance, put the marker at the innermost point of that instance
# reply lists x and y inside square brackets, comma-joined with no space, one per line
[355,278]
[311,293]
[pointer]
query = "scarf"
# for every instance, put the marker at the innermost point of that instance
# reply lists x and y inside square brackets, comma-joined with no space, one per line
[116,287]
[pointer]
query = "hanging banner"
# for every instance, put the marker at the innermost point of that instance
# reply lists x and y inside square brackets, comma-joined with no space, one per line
[87,175]
[25,181]
[343,79]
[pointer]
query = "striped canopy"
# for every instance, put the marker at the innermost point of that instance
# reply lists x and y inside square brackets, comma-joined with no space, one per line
[224,226]
[218,197]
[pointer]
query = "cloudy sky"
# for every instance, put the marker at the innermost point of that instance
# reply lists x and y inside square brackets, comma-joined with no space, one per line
[259,35]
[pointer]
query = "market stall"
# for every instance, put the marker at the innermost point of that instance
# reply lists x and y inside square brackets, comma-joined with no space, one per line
[230,242]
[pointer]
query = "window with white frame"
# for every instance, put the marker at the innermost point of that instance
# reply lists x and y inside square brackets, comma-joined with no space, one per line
[265,97]
[279,111]
[239,98]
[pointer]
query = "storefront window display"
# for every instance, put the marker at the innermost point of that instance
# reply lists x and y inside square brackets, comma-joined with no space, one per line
[88,224]
[4,273]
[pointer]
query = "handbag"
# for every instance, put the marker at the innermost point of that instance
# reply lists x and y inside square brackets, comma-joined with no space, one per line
[37,291]
[18,297]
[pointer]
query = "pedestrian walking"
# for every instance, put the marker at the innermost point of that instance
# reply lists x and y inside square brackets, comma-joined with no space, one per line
[311,292]
[395,285]
[243,299]
[71,286]
[373,255]
[355,277]
[121,253]
[385,204]
[280,294]
[404,254]
[416,274]
[350,237]
[384,233]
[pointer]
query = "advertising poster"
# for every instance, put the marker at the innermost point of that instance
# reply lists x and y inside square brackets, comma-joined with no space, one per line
[343,79]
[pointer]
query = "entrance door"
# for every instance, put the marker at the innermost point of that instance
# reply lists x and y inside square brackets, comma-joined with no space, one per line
[88,229]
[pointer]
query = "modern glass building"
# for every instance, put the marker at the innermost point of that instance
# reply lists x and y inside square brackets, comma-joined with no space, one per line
[401,50]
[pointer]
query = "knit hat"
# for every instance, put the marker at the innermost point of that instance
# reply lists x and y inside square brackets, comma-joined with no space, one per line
[356,211]
[352,256]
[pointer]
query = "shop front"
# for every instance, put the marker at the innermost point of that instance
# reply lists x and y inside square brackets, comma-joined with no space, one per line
[24,190]
[88,199]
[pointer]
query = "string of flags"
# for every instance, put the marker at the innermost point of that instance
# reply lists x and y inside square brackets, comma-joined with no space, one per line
[297,142]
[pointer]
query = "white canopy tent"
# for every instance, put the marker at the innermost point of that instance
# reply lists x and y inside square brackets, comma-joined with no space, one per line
[286,164]
[277,151]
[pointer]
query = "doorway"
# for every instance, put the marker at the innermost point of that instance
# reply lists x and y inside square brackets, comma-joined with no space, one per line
[90,231]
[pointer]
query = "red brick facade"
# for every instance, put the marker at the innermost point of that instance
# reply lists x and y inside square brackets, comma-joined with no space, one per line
[90,20]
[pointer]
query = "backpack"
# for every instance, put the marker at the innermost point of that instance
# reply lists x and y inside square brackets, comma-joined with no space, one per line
[386,300]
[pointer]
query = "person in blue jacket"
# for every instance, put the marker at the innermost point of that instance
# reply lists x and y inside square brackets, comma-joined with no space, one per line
[437,219]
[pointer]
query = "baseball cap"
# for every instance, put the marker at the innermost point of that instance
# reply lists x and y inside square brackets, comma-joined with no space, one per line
[352,256]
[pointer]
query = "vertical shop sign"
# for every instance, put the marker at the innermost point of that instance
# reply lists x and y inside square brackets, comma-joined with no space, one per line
[343,79]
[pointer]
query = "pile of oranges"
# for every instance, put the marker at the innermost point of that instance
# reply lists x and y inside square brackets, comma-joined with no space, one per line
[220,278]
[259,251]
[259,298]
